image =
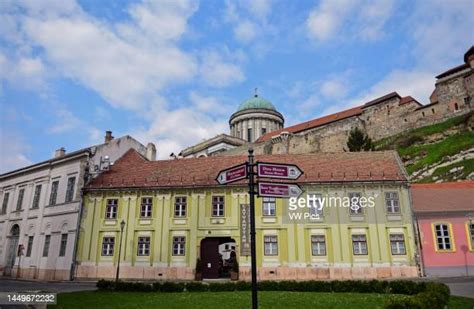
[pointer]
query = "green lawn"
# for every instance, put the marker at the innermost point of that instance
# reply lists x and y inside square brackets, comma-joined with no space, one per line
[222,300]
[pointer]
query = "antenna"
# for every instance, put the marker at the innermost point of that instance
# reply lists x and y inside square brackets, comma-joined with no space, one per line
[256,90]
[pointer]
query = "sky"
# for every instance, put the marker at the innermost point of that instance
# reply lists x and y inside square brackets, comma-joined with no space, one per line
[171,72]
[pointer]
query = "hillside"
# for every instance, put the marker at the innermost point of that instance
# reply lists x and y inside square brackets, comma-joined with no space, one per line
[436,153]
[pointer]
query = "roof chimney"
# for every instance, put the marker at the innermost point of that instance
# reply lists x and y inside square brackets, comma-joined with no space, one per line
[59,153]
[108,136]
[151,152]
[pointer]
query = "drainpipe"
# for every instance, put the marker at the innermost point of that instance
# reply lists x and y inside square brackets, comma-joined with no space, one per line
[79,219]
[419,261]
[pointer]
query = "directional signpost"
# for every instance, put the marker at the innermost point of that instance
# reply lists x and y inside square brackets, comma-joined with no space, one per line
[282,171]
[267,189]
[232,174]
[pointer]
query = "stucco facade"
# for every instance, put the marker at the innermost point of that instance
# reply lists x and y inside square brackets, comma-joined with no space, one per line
[40,209]
[294,258]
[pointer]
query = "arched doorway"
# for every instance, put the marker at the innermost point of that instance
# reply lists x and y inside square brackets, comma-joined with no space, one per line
[14,237]
[217,256]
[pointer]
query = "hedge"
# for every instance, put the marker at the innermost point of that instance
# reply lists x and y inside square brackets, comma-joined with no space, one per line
[419,294]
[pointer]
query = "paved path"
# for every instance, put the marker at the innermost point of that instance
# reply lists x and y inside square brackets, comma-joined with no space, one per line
[460,286]
[9,285]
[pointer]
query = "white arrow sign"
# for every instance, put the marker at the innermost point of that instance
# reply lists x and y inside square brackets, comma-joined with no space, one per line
[269,189]
[275,170]
[232,174]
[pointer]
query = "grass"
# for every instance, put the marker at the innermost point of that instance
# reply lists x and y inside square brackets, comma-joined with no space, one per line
[443,172]
[437,151]
[234,300]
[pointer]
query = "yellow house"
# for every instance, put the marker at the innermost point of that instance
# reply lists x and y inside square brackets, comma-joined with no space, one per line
[174,212]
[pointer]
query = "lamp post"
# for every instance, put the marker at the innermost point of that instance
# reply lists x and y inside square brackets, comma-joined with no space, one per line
[122,225]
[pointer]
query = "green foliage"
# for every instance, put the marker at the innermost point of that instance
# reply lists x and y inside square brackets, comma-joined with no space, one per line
[359,141]
[432,296]
[196,287]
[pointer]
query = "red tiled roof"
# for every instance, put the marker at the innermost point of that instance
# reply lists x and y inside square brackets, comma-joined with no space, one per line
[443,197]
[408,99]
[314,123]
[133,170]
[355,111]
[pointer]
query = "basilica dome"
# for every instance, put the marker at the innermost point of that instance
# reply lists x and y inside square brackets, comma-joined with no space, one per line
[255,117]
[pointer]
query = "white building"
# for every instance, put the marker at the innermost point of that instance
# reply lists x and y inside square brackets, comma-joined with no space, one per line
[40,206]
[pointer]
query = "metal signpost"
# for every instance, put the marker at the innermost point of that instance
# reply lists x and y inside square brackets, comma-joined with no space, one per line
[267,189]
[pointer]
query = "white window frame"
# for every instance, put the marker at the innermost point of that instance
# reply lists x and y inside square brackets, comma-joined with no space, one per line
[397,244]
[318,245]
[355,212]
[146,207]
[108,246]
[269,207]
[444,239]
[179,245]
[392,202]
[143,247]
[218,206]
[111,209]
[270,245]
[359,244]
[180,206]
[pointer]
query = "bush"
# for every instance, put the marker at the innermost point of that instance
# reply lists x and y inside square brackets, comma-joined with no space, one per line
[222,287]
[105,285]
[196,287]
[243,286]
[172,287]
[434,296]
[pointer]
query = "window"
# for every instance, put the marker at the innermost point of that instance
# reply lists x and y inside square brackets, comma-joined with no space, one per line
[47,240]
[36,197]
[111,209]
[217,206]
[180,207]
[143,246]
[405,120]
[315,203]
[456,106]
[443,239]
[354,199]
[19,202]
[6,197]
[397,244]
[108,244]
[471,234]
[179,242]
[392,203]
[54,192]
[359,244]
[30,245]
[318,245]
[433,110]
[62,248]
[269,206]
[423,113]
[264,131]
[146,207]
[71,181]
[467,100]
[249,134]
[271,245]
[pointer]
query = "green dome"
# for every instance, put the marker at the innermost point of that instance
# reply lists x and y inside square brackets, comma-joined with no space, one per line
[256,102]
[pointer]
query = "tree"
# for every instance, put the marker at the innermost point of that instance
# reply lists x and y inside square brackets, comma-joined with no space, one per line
[359,141]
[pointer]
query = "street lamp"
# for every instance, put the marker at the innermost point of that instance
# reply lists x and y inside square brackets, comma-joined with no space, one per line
[122,225]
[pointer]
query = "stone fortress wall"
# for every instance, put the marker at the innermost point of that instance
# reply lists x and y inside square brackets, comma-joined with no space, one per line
[379,118]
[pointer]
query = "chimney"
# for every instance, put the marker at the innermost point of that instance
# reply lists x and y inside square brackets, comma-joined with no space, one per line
[151,152]
[108,136]
[59,153]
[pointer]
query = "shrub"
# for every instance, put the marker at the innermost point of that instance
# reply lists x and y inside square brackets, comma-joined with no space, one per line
[222,287]
[401,302]
[196,287]
[172,287]
[105,285]
[243,286]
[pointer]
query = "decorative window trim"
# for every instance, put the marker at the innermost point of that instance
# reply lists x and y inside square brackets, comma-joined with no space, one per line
[392,206]
[366,244]
[178,243]
[268,201]
[451,237]
[469,236]
[182,210]
[319,247]
[272,239]
[146,209]
[402,240]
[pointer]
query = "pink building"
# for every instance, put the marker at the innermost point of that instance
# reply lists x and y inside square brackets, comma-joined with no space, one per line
[445,217]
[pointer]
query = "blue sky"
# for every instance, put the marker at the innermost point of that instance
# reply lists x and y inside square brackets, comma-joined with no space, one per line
[173,71]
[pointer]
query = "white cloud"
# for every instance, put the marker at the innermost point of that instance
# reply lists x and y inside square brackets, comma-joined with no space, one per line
[209,105]
[218,73]
[259,8]
[362,18]
[245,31]
[172,131]
[334,88]
[12,152]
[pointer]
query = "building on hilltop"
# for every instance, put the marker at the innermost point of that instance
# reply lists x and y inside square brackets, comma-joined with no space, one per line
[445,218]
[258,122]
[41,206]
[174,212]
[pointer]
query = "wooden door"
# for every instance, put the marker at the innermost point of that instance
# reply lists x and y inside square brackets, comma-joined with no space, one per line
[210,258]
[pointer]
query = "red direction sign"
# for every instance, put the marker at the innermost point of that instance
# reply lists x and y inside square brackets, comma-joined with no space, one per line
[269,189]
[232,174]
[275,170]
